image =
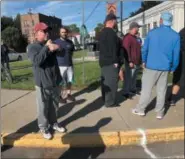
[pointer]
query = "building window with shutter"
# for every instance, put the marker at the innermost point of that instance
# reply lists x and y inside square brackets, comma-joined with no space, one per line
[144,31]
[148,27]
[25,23]
[154,24]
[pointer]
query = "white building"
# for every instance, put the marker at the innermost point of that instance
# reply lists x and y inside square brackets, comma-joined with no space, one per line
[150,18]
[92,33]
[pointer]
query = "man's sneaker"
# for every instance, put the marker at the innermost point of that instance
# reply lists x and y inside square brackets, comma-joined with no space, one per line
[160,115]
[135,93]
[59,129]
[127,96]
[62,100]
[135,111]
[46,134]
[71,98]
[172,102]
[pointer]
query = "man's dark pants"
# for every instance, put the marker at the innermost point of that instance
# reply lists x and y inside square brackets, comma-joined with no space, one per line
[109,84]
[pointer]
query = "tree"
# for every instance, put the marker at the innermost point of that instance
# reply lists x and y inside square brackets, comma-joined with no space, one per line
[14,39]
[145,5]
[6,22]
[17,21]
[73,28]
[98,28]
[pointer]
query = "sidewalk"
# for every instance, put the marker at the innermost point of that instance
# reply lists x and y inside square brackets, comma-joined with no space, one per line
[86,115]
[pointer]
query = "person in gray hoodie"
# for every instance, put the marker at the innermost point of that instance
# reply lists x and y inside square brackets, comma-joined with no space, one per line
[42,54]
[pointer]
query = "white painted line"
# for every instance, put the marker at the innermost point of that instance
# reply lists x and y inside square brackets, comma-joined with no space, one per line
[181,156]
[144,144]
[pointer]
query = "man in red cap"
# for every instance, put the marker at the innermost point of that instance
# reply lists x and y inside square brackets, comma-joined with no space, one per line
[42,53]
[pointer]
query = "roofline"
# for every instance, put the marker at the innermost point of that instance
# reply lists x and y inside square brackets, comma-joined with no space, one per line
[41,14]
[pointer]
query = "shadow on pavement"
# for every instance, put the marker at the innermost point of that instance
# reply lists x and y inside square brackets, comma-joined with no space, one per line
[93,86]
[32,126]
[87,152]
[152,104]
[95,105]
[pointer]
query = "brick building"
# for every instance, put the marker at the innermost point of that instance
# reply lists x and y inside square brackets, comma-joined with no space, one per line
[29,20]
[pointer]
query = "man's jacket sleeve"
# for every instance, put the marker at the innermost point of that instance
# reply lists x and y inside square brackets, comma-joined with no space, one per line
[37,57]
[176,54]
[145,49]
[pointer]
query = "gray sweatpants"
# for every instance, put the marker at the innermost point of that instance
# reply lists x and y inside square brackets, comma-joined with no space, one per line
[130,78]
[47,106]
[149,79]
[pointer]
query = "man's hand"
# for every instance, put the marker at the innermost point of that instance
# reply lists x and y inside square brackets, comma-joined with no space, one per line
[116,65]
[49,42]
[53,47]
[131,65]
[144,65]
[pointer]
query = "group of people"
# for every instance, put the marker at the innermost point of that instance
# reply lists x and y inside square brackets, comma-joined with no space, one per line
[159,55]
[53,67]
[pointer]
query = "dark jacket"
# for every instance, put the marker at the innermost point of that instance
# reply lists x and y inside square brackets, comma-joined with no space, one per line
[4,53]
[45,67]
[109,46]
[182,39]
[132,49]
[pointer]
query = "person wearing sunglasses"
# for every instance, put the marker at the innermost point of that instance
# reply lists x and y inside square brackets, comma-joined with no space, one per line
[65,63]
[42,54]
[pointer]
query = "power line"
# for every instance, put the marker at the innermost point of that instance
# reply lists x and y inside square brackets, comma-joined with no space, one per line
[92,11]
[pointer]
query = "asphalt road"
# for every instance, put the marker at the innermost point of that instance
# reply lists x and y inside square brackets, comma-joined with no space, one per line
[158,150]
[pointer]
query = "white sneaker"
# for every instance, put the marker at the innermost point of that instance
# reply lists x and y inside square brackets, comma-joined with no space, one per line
[59,129]
[46,134]
[160,116]
[134,111]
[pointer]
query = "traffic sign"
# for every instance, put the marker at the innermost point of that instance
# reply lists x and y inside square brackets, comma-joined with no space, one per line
[111,8]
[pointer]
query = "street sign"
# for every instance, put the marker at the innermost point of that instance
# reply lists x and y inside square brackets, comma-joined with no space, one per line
[111,8]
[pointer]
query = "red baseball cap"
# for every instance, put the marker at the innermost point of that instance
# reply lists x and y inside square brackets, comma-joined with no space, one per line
[41,26]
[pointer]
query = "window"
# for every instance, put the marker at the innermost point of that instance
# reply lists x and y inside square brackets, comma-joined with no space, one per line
[25,23]
[26,31]
[154,24]
[148,29]
[144,31]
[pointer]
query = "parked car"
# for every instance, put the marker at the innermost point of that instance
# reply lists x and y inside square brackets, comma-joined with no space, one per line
[14,56]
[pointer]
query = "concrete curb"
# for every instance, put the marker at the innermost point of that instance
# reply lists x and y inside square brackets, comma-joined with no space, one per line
[107,139]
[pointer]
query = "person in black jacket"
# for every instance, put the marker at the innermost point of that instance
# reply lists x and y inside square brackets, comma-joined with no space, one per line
[4,55]
[178,75]
[47,78]
[109,45]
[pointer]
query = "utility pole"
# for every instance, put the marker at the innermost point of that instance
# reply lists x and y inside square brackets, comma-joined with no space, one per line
[83,43]
[121,15]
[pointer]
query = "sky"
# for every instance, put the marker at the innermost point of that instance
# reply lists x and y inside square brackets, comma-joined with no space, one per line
[69,11]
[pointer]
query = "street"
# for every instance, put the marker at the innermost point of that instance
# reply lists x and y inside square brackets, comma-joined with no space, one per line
[158,150]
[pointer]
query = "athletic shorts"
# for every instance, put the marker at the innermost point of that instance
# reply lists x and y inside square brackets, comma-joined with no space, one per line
[67,74]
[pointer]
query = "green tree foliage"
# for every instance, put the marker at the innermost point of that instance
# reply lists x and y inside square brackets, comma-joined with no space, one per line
[73,28]
[13,38]
[145,5]
[6,22]
[98,28]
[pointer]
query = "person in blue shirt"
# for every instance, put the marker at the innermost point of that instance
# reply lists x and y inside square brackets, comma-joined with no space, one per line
[65,63]
[160,55]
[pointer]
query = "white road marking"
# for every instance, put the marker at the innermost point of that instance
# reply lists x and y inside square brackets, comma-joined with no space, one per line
[181,156]
[144,144]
